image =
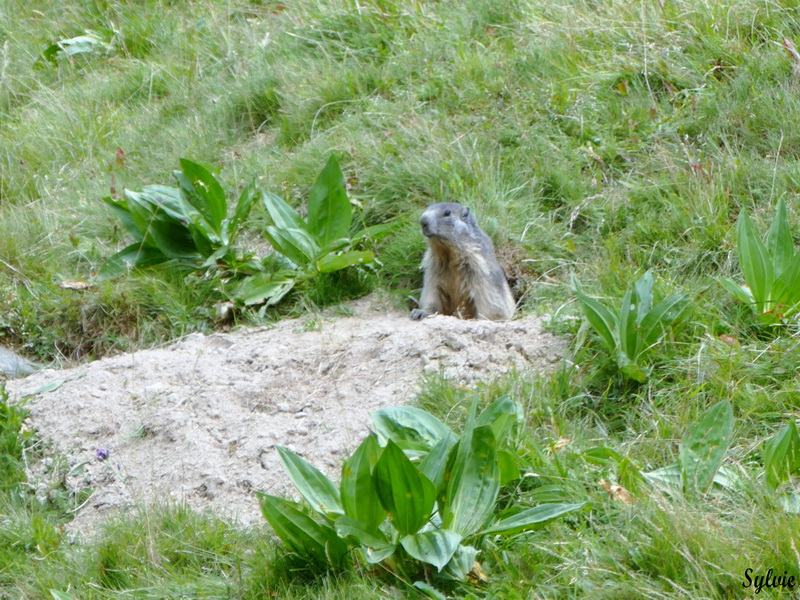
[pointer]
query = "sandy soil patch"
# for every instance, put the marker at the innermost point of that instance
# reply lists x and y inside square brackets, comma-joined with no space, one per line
[197,421]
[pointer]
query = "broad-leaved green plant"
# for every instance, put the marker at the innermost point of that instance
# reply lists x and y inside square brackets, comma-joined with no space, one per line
[781,462]
[189,227]
[412,494]
[320,243]
[188,224]
[701,453]
[771,269]
[629,331]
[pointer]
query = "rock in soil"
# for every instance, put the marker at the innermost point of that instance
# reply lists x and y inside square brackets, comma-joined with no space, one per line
[12,365]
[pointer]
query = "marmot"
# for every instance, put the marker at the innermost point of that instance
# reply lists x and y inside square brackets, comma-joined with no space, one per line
[462,275]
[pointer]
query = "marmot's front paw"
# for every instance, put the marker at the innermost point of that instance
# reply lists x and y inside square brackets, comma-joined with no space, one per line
[418,314]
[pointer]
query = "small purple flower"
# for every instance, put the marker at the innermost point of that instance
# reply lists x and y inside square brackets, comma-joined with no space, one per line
[102,453]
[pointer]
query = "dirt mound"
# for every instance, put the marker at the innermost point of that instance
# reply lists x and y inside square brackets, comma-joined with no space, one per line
[197,421]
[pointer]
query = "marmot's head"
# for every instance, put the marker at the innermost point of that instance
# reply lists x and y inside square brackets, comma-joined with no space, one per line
[448,221]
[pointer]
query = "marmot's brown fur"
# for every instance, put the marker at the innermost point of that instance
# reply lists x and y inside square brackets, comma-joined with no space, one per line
[462,275]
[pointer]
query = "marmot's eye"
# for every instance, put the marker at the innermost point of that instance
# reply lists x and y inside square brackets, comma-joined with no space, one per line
[447,213]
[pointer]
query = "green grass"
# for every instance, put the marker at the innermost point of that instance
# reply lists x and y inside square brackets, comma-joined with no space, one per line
[596,138]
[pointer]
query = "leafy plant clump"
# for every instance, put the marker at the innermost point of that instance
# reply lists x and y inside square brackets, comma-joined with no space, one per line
[701,453]
[632,329]
[781,462]
[189,227]
[320,243]
[771,269]
[90,42]
[414,495]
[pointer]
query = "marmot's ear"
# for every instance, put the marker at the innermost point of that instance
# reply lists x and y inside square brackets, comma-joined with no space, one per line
[465,213]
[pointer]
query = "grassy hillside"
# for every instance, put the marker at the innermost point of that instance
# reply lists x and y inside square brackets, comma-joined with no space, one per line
[593,139]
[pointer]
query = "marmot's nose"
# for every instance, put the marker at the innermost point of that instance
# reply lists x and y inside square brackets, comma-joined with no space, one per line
[424,222]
